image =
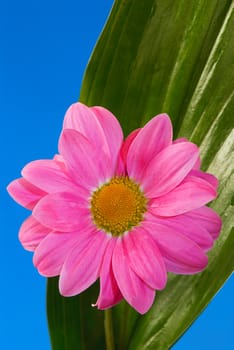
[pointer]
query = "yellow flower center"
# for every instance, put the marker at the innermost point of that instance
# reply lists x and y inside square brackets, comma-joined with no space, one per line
[118,205]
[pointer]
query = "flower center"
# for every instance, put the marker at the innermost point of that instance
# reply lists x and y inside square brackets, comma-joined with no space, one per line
[118,205]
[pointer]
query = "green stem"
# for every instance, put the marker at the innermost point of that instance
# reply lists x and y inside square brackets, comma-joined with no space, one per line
[124,327]
[109,330]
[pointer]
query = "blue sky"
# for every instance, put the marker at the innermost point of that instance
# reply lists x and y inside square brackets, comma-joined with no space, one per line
[45,46]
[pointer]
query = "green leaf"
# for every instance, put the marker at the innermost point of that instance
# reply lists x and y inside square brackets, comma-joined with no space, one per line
[73,323]
[173,56]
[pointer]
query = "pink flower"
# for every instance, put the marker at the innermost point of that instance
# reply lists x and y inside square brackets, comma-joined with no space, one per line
[122,211]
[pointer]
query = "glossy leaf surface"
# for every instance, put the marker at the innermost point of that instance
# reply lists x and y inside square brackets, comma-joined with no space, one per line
[176,57]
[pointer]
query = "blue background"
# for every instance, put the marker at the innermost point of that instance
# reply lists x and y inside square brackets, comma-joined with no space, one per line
[45,46]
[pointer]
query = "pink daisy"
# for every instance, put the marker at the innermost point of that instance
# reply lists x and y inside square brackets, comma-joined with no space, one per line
[125,211]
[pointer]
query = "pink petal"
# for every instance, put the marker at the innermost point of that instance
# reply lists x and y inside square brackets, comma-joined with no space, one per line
[64,212]
[82,267]
[134,290]
[120,167]
[48,176]
[198,161]
[151,139]
[192,193]
[60,162]
[181,139]
[112,131]
[86,164]
[109,294]
[189,228]
[211,179]
[59,159]
[51,253]
[181,254]
[197,164]
[207,218]
[122,160]
[31,233]
[145,258]
[83,120]
[127,143]
[168,169]
[25,193]
[99,127]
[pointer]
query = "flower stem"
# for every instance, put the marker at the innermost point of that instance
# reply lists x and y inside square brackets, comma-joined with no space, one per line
[109,330]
